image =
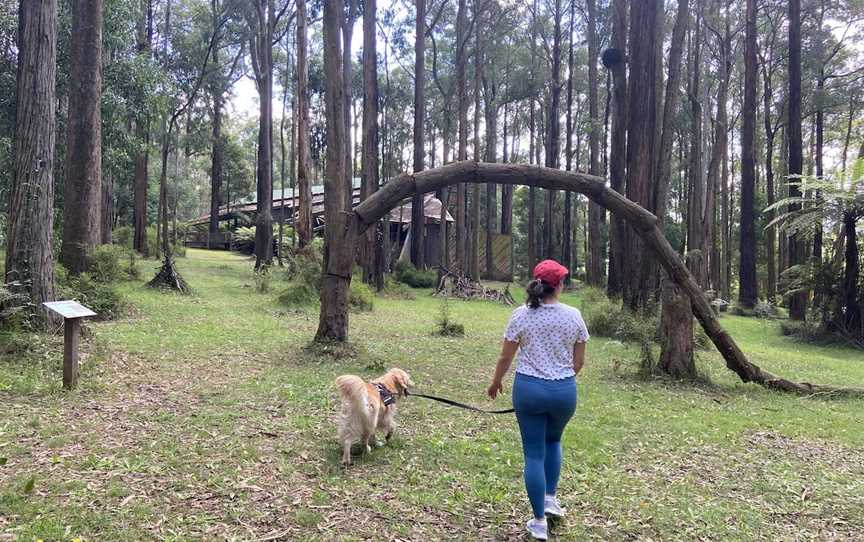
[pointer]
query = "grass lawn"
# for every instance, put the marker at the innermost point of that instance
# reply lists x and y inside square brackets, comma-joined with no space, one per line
[210,418]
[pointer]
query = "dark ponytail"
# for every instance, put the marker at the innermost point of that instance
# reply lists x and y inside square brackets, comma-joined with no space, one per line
[537,291]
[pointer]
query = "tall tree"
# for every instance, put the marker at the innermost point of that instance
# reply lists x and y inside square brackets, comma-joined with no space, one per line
[338,240]
[532,144]
[645,76]
[304,184]
[553,132]
[29,260]
[796,251]
[596,213]
[142,134]
[613,59]
[462,94]
[263,24]
[567,226]
[372,250]
[82,194]
[474,223]
[747,292]
[418,228]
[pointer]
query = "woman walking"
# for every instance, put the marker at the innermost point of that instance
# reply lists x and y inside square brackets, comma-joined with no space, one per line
[550,339]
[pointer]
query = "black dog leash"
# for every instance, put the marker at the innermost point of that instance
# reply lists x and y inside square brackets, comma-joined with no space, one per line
[461,405]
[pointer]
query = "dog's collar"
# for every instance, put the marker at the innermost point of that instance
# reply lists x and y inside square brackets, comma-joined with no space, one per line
[387,396]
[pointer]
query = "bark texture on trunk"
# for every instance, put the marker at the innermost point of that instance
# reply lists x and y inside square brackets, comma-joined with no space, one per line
[82,188]
[596,213]
[748,287]
[644,224]
[418,226]
[304,183]
[339,238]
[29,260]
[676,331]
[852,314]
[262,62]
[106,210]
[462,96]
[618,142]
[796,250]
[553,134]
[372,250]
[645,74]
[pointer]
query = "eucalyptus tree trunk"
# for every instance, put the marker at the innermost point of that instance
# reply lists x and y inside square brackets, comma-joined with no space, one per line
[418,227]
[474,226]
[618,143]
[216,96]
[567,226]
[372,253]
[82,194]
[347,37]
[303,224]
[142,135]
[532,146]
[771,231]
[645,74]
[596,213]
[262,63]
[748,287]
[553,133]
[797,253]
[462,94]
[339,239]
[696,181]
[29,260]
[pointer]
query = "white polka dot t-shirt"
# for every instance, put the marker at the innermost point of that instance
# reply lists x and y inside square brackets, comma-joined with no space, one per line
[546,337]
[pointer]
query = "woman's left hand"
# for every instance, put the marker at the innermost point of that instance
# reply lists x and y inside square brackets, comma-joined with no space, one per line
[494,389]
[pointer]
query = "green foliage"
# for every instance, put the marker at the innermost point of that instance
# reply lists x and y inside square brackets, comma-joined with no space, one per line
[105,263]
[14,313]
[360,298]
[102,297]
[607,318]
[244,240]
[397,290]
[123,236]
[305,276]
[262,279]
[413,277]
[445,326]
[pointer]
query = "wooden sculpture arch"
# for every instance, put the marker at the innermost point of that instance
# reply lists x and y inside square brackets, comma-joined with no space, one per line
[340,251]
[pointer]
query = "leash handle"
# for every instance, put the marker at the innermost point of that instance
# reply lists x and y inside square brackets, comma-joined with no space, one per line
[462,405]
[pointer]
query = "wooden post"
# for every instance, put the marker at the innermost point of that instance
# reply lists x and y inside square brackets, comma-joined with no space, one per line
[72,313]
[71,336]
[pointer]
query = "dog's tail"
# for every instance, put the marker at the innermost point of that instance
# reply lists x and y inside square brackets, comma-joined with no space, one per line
[353,391]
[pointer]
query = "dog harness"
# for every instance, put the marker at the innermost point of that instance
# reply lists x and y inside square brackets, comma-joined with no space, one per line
[386,395]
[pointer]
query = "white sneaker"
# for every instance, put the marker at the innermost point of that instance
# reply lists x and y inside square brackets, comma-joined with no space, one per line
[552,507]
[538,529]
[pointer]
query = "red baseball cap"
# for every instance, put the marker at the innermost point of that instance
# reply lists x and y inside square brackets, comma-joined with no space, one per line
[550,272]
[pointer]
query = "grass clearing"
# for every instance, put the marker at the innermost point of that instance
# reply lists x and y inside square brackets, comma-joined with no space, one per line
[210,418]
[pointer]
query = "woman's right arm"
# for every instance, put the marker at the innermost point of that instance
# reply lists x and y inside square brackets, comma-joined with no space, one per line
[579,356]
[508,351]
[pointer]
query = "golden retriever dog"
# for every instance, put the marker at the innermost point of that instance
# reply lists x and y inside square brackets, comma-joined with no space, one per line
[364,410]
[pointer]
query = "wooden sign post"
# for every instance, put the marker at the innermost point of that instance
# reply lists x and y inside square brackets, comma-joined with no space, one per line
[72,313]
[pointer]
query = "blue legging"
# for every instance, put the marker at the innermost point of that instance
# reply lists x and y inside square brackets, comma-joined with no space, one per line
[543,408]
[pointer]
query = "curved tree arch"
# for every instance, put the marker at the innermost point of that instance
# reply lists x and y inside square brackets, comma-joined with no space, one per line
[333,324]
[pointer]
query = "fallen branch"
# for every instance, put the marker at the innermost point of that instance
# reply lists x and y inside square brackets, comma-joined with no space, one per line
[464,288]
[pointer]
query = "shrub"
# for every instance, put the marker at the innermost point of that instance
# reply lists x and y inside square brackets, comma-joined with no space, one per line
[360,298]
[262,279]
[102,297]
[397,290]
[244,240]
[305,274]
[607,318]
[14,313]
[105,263]
[447,327]
[122,236]
[413,277]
